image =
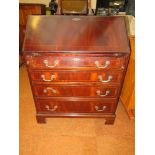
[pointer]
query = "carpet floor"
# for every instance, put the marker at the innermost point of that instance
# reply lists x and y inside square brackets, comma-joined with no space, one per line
[71,136]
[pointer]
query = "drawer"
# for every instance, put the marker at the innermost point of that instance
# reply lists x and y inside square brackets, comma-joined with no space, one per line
[75,106]
[69,62]
[77,76]
[75,91]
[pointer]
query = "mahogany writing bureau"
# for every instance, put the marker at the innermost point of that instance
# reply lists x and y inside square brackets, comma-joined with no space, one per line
[76,65]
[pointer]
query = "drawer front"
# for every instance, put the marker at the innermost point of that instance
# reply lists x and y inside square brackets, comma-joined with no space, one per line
[77,76]
[56,106]
[70,91]
[50,62]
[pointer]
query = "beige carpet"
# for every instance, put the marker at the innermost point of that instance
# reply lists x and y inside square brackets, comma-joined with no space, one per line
[71,136]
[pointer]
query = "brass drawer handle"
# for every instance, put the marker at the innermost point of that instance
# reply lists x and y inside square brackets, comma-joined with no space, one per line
[51,89]
[51,109]
[52,78]
[103,108]
[55,63]
[106,64]
[98,92]
[105,81]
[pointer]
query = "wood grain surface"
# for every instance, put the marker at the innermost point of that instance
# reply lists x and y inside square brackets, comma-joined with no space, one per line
[76,65]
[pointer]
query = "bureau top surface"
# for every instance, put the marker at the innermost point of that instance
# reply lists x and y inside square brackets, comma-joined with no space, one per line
[76,34]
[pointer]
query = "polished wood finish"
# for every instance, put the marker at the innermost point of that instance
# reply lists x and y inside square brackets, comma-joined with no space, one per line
[78,34]
[76,65]
[109,118]
[75,61]
[77,76]
[26,9]
[128,91]
[76,90]
[88,106]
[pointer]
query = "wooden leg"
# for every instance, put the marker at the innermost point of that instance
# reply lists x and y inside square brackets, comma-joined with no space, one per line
[41,119]
[110,121]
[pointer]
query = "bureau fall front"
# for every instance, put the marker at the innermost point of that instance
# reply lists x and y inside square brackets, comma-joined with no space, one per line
[76,65]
